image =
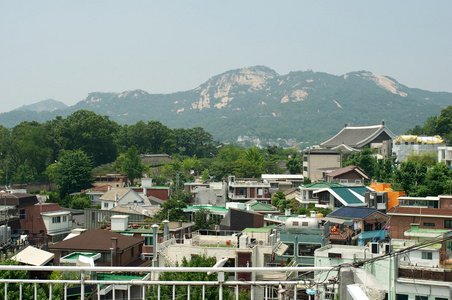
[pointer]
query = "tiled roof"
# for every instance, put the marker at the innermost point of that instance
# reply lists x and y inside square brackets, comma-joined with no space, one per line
[258,206]
[356,136]
[102,188]
[350,212]
[18,199]
[420,211]
[347,169]
[96,240]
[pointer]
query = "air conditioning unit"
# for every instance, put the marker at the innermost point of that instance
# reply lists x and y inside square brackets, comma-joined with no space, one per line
[261,242]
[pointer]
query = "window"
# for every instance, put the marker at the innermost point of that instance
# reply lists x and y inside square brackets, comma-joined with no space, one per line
[429,224]
[56,219]
[131,252]
[401,297]
[357,181]
[64,218]
[259,192]
[305,169]
[105,204]
[440,298]
[334,255]
[447,223]
[307,249]
[427,255]
[294,223]
[305,158]
[22,214]
[343,180]
[421,297]
[148,241]
[289,251]
[241,191]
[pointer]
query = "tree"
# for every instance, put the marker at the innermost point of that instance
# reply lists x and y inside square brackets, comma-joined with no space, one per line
[132,165]
[92,133]
[80,202]
[172,210]
[14,288]
[211,292]
[73,172]
[409,176]
[202,219]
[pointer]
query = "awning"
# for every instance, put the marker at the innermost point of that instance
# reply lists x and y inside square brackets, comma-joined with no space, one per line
[338,221]
[281,249]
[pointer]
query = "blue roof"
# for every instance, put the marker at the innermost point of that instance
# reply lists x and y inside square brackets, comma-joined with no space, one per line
[350,212]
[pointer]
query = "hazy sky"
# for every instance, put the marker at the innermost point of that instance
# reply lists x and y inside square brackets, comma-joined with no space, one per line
[66,49]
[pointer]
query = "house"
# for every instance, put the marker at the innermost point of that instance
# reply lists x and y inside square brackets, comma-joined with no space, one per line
[428,212]
[238,219]
[215,212]
[393,196]
[369,224]
[298,238]
[306,192]
[336,197]
[242,190]
[58,224]
[349,176]
[114,180]
[96,218]
[282,182]
[358,137]
[209,193]
[405,145]
[115,249]
[445,155]
[118,196]
[96,192]
[149,189]
[315,161]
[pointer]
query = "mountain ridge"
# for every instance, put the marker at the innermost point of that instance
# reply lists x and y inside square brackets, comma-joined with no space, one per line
[256,101]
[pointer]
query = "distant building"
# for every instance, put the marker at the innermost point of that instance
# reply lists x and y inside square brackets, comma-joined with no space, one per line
[358,137]
[315,161]
[282,182]
[445,155]
[350,176]
[114,180]
[153,159]
[242,190]
[405,145]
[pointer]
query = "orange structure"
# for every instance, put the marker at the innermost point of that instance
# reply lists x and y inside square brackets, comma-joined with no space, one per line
[393,196]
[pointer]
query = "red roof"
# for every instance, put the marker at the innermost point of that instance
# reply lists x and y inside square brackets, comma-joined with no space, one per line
[347,169]
[102,188]
[420,211]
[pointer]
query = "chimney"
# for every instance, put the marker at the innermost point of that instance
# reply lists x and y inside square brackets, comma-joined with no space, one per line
[165,230]
[179,224]
[116,197]
[114,247]
[154,244]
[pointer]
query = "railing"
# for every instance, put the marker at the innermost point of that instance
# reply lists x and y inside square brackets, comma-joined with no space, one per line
[145,288]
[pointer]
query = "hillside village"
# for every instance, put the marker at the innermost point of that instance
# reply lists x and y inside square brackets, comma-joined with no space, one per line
[332,205]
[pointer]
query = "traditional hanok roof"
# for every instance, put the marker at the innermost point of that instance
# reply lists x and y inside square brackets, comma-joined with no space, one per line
[345,149]
[349,212]
[357,137]
[347,169]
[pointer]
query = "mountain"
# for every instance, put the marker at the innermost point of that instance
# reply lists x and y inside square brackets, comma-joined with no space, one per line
[256,101]
[44,105]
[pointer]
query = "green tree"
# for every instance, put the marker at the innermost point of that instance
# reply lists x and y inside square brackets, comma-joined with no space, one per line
[132,165]
[184,196]
[202,219]
[409,175]
[92,133]
[171,210]
[444,124]
[14,288]
[80,202]
[211,292]
[73,172]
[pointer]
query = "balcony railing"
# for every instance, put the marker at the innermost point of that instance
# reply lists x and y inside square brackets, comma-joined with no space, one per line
[122,289]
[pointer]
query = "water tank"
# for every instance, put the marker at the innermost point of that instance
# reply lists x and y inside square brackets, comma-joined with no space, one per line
[302,222]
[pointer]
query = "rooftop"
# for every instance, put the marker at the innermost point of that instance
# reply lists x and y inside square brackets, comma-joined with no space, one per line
[357,136]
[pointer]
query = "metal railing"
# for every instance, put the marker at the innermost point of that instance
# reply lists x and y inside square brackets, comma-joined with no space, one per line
[151,289]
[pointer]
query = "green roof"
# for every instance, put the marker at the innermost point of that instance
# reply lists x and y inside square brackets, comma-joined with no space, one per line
[258,206]
[119,277]
[321,185]
[208,207]
[345,193]
[261,229]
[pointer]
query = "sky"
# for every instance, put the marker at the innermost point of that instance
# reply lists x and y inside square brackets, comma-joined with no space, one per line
[64,50]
